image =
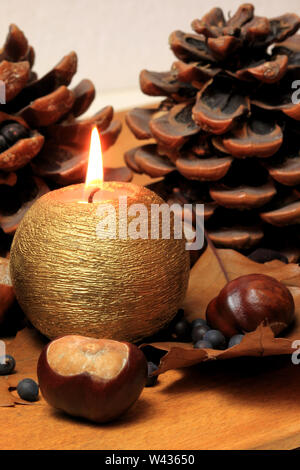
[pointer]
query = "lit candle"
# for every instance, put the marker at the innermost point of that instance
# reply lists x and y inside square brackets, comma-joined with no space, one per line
[95,189]
[70,277]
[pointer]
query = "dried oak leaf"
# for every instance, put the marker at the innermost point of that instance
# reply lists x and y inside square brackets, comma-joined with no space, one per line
[25,348]
[208,276]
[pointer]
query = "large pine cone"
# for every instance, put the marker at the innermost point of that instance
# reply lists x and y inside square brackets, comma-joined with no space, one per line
[228,133]
[42,144]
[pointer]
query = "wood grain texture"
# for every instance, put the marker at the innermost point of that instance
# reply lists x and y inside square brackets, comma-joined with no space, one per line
[217,406]
[238,404]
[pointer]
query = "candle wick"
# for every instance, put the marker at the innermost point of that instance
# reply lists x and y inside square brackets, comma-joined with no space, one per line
[91,196]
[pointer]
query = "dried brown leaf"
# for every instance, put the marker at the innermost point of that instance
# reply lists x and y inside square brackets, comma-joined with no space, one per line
[208,276]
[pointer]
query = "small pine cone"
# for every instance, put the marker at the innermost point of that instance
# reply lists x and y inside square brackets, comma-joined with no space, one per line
[227,132]
[43,145]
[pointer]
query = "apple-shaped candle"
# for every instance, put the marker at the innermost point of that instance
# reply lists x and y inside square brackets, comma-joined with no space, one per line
[76,268]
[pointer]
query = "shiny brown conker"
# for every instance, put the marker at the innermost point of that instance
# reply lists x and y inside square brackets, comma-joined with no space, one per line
[247,301]
[7,295]
[97,379]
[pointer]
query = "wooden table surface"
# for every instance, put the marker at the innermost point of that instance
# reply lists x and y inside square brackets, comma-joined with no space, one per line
[240,404]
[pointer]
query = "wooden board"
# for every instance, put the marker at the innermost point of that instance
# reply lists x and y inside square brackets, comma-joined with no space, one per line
[216,406]
[241,404]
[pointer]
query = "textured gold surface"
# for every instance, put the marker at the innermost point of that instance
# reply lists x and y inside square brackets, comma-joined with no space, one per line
[69,281]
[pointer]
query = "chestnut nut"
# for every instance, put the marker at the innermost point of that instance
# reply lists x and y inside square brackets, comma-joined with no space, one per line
[7,295]
[97,379]
[247,301]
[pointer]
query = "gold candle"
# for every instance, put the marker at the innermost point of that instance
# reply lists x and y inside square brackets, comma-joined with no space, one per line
[69,279]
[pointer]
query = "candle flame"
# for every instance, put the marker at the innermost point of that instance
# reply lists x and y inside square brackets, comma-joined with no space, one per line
[94,176]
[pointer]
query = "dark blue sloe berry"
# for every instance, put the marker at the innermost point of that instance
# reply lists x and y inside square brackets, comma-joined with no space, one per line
[234,340]
[216,338]
[151,379]
[201,344]
[3,144]
[198,332]
[7,365]
[182,330]
[28,390]
[13,131]
[198,322]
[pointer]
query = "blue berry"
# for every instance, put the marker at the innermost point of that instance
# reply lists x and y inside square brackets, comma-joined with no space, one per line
[3,144]
[182,330]
[216,338]
[234,340]
[201,344]
[28,390]
[13,132]
[198,322]
[7,365]
[198,332]
[151,379]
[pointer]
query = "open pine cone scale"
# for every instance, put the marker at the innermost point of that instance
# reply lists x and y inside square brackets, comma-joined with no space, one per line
[43,145]
[228,125]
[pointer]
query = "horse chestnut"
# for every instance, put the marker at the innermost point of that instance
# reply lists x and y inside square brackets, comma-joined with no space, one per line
[7,295]
[97,379]
[244,303]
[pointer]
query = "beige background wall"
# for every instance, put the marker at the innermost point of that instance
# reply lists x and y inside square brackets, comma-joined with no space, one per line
[114,39]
